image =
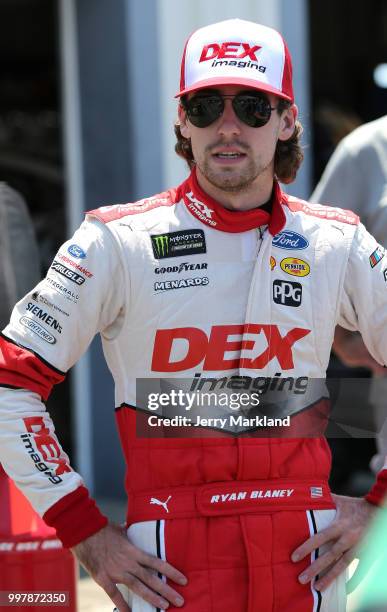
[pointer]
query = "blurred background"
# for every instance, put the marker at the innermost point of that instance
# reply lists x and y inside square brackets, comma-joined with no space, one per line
[86,119]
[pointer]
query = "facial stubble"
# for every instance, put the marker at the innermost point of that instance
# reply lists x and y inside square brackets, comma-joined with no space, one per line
[239,181]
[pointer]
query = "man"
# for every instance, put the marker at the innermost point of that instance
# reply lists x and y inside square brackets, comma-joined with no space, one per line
[356,177]
[227,277]
[19,255]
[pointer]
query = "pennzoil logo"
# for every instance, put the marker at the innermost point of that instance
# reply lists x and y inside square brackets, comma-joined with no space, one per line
[295,266]
[178,244]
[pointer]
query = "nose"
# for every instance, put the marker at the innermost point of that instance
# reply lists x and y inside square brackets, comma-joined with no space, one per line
[229,124]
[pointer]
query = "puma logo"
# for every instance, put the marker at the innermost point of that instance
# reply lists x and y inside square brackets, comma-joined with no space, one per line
[157,502]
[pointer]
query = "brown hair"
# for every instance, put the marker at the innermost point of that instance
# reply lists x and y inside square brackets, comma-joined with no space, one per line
[288,154]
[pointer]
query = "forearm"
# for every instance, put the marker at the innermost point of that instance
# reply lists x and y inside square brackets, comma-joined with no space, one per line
[32,456]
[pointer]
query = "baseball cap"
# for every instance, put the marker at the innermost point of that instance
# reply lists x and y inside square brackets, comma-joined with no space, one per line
[237,52]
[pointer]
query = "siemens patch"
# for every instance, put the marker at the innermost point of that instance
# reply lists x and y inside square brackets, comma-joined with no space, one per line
[178,244]
[44,316]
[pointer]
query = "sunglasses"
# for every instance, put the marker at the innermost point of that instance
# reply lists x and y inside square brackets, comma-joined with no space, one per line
[253,109]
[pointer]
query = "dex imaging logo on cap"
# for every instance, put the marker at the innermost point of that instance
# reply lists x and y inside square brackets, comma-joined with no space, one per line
[237,52]
[230,50]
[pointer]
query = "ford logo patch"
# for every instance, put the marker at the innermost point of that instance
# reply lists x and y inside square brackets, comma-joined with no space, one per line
[290,241]
[76,251]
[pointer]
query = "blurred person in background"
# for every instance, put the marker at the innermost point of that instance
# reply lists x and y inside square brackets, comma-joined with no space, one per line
[228,276]
[19,256]
[331,124]
[356,178]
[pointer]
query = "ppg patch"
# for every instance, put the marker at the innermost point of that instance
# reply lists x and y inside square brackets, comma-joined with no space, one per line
[178,244]
[376,256]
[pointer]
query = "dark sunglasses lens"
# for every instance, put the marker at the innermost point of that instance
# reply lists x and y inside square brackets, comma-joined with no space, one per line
[255,111]
[204,110]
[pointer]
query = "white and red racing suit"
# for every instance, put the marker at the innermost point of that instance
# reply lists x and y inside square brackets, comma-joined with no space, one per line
[179,286]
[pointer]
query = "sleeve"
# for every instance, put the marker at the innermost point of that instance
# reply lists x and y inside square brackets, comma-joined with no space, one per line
[342,182]
[50,328]
[364,309]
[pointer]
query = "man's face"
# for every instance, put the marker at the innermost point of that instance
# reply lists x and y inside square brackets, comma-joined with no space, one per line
[232,155]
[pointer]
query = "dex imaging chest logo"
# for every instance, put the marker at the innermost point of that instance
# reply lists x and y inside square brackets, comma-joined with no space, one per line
[287,293]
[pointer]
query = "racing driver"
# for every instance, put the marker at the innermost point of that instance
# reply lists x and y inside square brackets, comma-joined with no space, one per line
[223,276]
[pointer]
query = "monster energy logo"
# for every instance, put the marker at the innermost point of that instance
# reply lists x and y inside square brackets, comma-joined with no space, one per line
[161,245]
[178,244]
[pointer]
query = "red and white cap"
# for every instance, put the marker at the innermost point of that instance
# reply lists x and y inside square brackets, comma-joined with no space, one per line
[237,52]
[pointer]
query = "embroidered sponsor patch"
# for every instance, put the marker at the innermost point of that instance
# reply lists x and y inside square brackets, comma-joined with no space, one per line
[39,313]
[295,266]
[70,274]
[38,297]
[181,283]
[76,251]
[377,256]
[200,210]
[290,241]
[316,492]
[183,267]
[38,329]
[273,262]
[69,295]
[178,244]
[287,293]
[74,264]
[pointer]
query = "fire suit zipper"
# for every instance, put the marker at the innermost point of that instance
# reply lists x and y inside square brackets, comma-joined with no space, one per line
[263,315]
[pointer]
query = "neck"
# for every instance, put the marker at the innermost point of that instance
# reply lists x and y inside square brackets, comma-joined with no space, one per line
[252,196]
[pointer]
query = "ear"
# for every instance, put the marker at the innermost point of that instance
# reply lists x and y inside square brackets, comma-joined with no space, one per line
[183,122]
[288,122]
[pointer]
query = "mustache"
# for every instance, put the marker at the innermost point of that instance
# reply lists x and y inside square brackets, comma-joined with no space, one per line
[229,145]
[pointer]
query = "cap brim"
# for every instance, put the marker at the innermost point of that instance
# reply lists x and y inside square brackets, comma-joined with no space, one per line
[260,86]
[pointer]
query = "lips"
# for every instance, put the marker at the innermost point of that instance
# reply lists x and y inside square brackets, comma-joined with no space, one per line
[229,155]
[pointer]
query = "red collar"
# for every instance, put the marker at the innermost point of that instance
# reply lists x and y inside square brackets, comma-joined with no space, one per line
[213,214]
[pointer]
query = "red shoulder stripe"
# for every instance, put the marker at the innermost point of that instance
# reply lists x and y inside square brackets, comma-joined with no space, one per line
[22,369]
[117,211]
[322,211]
